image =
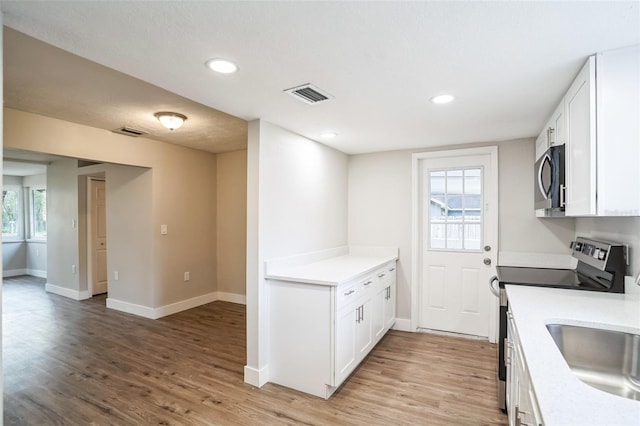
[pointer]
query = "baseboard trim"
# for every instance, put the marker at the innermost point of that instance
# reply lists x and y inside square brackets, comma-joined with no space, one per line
[37,273]
[403,324]
[13,272]
[66,292]
[256,377]
[174,308]
[131,308]
[184,305]
[240,299]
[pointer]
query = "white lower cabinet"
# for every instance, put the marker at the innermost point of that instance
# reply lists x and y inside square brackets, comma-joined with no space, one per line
[522,406]
[318,334]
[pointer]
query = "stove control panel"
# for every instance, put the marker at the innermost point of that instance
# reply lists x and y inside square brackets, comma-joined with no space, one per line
[595,253]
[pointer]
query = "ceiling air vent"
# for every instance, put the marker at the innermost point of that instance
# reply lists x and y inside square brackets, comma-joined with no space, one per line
[128,131]
[308,94]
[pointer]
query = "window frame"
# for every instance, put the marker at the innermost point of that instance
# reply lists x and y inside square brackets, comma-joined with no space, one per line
[30,213]
[19,236]
[463,221]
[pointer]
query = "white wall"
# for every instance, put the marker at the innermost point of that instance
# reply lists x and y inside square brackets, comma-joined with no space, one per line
[380,207]
[1,148]
[625,230]
[296,203]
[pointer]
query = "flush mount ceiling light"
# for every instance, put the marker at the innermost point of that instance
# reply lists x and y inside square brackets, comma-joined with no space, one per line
[170,120]
[222,66]
[328,135]
[442,99]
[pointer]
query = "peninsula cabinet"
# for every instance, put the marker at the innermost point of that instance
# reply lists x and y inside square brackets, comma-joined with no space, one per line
[320,330]
[602,109]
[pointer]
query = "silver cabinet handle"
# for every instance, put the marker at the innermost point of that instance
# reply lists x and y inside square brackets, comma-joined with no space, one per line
[381,275]
[392,269]
[368,283]
[350,292]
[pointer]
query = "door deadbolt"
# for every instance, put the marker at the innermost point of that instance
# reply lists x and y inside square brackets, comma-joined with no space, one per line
[487,261]
[487,248]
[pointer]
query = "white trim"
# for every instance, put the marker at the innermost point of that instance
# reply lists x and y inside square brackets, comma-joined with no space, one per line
[131,308]
[256,377]
[184,305]
[67,292]
[174,308]
[37,273]
[404,324]
[492,151]
[14,272]
[240,299]
[18,272]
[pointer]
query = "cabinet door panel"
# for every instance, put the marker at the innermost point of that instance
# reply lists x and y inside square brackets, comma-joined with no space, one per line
[379,302]
[581,144]
[345,356]
[390,306]
[364,330]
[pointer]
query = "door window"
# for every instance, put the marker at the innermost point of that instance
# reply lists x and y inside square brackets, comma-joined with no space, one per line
[455,209]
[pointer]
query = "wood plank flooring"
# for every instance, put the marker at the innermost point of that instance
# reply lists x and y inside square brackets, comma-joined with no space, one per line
[78,363]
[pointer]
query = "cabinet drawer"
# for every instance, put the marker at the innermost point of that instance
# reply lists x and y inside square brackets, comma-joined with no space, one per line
[347,293]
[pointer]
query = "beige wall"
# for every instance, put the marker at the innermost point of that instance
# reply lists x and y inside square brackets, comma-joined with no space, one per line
[183,197]
[380,207]
[62,213]
[231,226]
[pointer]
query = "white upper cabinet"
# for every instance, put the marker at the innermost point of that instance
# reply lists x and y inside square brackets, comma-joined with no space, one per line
[602,116]
[618,132]
[554,132]
[580,150]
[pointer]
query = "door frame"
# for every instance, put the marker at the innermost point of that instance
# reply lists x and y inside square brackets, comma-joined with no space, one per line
[416,228]
[90,224]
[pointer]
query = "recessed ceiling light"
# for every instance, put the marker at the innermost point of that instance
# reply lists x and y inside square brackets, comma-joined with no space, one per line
[328,135]
[442,99]
[222,66]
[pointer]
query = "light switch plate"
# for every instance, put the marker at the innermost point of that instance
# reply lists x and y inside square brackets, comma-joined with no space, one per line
[163,230]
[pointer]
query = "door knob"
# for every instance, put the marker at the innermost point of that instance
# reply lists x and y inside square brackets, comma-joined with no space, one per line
[487,261]
[487,248]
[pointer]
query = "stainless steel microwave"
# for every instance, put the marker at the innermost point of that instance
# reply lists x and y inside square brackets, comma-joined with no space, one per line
[549,183]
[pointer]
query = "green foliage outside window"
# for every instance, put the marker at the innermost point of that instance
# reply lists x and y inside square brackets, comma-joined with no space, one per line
[39,206]
[10,212]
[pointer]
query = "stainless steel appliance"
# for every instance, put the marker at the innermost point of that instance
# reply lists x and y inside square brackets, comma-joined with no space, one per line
[549,183]
[601,267]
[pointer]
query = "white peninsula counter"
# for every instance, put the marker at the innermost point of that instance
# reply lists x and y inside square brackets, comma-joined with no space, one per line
[327,310]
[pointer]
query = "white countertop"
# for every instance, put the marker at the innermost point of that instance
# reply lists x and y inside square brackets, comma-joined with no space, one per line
[330,271]
[562,397]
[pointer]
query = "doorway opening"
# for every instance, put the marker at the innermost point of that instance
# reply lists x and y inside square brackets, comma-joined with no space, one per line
[97,275]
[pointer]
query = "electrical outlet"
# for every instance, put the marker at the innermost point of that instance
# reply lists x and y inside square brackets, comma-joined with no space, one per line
[163,230]
[73,269]
[116,275]
[187,276]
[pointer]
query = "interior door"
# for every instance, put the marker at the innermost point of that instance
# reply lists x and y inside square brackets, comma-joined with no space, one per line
[458,221]
[98,236]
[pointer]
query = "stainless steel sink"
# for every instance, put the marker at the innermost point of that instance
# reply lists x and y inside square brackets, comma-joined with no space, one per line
[606,360]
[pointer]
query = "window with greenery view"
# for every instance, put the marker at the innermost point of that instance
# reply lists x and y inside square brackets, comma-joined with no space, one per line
[11,213]
[38,213]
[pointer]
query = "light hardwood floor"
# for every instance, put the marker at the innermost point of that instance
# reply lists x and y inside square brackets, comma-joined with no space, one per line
[68,362]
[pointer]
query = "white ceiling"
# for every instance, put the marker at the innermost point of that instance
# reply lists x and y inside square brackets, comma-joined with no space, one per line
[508,63]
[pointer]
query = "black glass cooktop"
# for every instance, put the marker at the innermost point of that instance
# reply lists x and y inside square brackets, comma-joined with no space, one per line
[556,278]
